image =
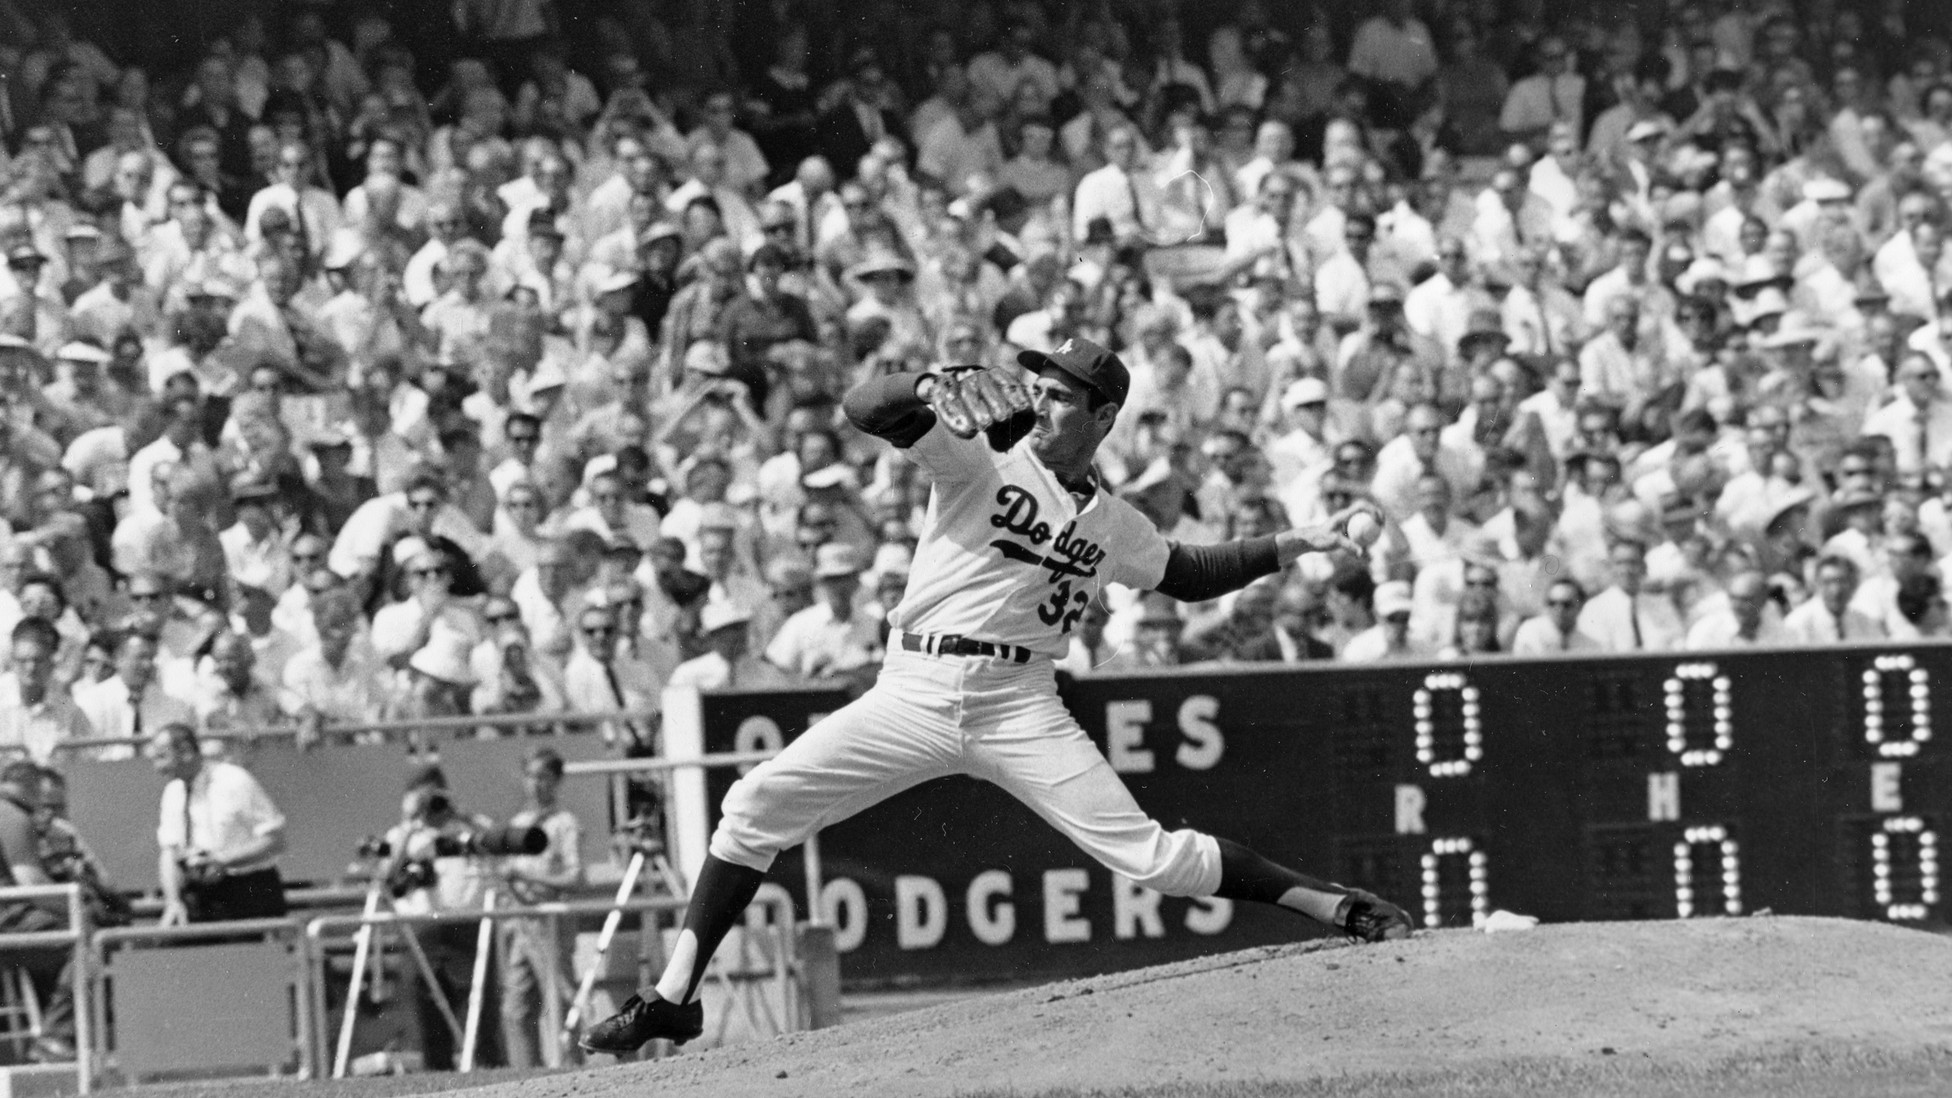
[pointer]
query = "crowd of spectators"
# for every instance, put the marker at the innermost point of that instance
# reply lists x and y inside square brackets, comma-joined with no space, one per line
[356,369]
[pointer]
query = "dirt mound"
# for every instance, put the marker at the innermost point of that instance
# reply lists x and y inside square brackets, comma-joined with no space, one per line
[1676,1000]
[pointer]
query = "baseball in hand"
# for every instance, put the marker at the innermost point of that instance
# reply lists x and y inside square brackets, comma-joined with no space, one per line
[1363,529]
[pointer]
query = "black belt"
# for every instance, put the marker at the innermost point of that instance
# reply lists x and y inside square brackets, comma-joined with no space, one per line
[950,645]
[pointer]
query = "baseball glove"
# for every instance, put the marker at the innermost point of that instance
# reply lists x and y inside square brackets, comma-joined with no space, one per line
[971,401]
[1370,918]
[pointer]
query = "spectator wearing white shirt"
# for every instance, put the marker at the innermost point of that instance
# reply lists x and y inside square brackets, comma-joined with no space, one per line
[1556,93]
[1919,421]
[1556,631]
[831,638]
[219,834]
[131,704]
[728,663]
[1828,618]
[36,713]
[1626,618]
[1749,620]
[1389,640]
[1121,192]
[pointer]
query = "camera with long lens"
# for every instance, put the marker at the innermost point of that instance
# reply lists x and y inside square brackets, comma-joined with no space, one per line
[488,842]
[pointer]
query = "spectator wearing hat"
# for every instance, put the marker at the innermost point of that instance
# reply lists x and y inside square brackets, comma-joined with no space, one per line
[256,551]
[118,302]
[1829,617]
[1306,442]
[1626,617]
[831,638]
[42,317]
[439,611]
[79,401]
[1390,638]
[727,663]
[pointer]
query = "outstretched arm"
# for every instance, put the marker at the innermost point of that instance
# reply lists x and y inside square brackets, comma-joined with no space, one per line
[1196,573]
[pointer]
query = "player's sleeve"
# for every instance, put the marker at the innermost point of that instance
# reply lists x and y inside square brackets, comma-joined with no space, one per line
[888,408]
[1196,573]
[1138,551]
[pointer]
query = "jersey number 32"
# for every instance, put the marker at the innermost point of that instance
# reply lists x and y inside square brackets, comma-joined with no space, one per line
[1065,607]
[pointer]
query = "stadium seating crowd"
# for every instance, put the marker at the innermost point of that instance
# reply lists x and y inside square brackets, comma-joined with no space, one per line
[388,361]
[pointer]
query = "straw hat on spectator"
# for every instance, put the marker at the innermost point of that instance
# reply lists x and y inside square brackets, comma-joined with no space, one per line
[79,351]
[1769,302]
[1759,272]
[1705,269]
[1483,326]
[836,560]
[882,261]
[1394,599]
[1302,392]
[722,614]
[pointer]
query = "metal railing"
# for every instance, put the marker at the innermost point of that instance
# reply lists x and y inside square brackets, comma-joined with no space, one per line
[101,973]
[319,945]
[384,728]
[74,938]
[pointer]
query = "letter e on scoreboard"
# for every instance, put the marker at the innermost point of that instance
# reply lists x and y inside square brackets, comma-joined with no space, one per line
[1664,796]
[1125,723]
[1887,789]
[1409,809]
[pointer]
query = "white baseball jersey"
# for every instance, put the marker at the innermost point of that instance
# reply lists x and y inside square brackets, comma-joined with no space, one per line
[1006,556]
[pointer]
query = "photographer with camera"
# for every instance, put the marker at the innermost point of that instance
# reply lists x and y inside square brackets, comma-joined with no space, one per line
[523,944]
[432,866]
[220,836]
[21,864]
[67,857]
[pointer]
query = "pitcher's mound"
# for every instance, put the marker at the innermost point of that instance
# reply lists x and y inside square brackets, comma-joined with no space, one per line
[1762,1006]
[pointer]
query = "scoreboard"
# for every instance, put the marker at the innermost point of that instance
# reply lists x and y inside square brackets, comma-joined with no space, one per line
[1697,784]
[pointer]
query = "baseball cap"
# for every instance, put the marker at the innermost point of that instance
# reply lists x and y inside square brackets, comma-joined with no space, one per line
[722,615]
[25,253]
[1393,598]
[1826,190]
[1097,368]
[836,560]
[1304,391]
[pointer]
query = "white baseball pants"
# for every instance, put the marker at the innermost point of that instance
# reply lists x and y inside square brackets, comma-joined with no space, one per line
[931,716]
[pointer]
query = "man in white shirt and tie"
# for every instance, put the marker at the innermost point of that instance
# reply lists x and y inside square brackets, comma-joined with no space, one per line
[1918,422]
[1121,192]
[1828,618]
[130,704]
[1627,618]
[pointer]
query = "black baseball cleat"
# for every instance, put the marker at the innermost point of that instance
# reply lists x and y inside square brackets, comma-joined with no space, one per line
[642,1021]
[1371,918]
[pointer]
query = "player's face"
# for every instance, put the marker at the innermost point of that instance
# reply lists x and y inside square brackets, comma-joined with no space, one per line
[1068,429]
